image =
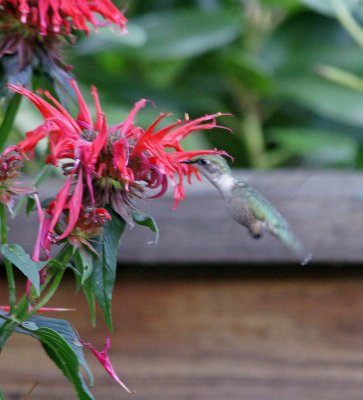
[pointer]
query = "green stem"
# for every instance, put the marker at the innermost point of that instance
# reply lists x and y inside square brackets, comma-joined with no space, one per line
[348,22]
[254,139]
[7,263]
[57,278]
[54,277]
[341,77]
[9,117]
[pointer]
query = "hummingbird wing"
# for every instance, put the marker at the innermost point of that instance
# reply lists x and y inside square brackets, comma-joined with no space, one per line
[266,214]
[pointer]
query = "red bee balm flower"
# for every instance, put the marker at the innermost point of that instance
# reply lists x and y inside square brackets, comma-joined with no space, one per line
[33,33]
[61,16]
[109,165]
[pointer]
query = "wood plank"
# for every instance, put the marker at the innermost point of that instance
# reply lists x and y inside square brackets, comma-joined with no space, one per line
[212,340]
[325,209]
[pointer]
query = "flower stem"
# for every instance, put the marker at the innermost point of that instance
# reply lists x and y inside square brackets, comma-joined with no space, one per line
[7,263]
[55,279]
[12,322]
[9,117]
[345,17]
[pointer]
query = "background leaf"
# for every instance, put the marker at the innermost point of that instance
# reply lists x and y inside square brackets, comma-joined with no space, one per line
[187,33]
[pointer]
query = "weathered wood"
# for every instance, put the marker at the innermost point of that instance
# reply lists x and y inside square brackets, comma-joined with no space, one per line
[324,208]
[211,340]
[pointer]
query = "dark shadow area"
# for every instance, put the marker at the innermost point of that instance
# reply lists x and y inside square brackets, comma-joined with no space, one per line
[237,271]
[199,272]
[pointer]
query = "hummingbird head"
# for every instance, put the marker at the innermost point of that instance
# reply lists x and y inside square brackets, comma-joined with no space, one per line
[212,167]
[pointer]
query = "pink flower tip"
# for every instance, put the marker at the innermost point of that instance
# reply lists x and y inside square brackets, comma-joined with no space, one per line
[104,360]
[41,309]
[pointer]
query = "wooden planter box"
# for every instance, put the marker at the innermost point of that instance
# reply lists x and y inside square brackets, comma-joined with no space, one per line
[324,208]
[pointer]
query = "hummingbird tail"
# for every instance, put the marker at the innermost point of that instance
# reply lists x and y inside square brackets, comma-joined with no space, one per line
[294,244]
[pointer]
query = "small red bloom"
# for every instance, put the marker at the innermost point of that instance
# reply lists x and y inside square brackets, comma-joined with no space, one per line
[89,225]
[109,165]
[11,163]
[104,359]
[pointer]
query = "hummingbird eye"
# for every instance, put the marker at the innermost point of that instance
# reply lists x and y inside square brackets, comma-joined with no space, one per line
[203,161]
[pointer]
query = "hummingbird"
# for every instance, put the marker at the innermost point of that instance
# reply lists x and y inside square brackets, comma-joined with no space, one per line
[248,206]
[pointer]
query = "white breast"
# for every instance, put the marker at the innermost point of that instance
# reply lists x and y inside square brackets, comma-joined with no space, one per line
[225,183]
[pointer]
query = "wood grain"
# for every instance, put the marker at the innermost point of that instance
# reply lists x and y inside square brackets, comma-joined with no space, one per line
[264,339]
[324,208]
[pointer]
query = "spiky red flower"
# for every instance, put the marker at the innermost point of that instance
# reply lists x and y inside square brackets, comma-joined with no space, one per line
[33,32]
[61,16]
[109,165]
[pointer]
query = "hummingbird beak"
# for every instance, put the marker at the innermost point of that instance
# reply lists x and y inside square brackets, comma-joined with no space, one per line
[188,162]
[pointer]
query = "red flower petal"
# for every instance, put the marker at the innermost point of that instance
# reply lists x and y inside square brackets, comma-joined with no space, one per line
[84,114]
[60,203]
[103,358]
[55,15]
[74,207]
[41,309]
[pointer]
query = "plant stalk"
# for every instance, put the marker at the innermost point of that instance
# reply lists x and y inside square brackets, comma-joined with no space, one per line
[9,118]
[7,263]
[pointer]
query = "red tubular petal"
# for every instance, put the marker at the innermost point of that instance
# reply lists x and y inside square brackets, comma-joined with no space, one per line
[46,109]
[59,203]
[130,118]
[84,114]
[42,309]
[74,207]
[36,251]
[147,134]
[104,360]
[164,187]
[96,100]
[100,141]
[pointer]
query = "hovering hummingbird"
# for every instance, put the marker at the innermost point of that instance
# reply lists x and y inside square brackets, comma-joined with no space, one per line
[246,205]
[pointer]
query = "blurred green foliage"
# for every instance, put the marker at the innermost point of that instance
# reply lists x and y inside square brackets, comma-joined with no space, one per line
[267,62]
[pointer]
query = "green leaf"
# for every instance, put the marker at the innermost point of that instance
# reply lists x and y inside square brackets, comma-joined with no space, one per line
[65,329]
[30,204]
[62,345]
[17,256]
[84,263]
[327,6]
[148,221]
[106,40]
[325,98]
[186,33]
[91,299]
[248,70]
[104,265]
[287,55]
[324,146]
